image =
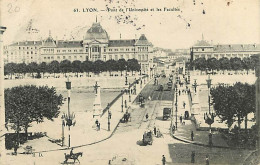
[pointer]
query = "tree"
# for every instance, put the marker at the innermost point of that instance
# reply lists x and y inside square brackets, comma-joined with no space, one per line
[213,64]
[236,63]
[99,66]
[54,67]
[121,65]
[43,68]
[224,64]
[10,69]
[76,66]
[25,104]
[111,66]
[65,66]
[87,66]
[32,68]
[233,102]
[22,68]
[133,65]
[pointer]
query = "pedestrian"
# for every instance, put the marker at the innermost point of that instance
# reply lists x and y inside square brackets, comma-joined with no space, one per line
[96,122]
[163,160]
[193,157]
[146,116]
[131,91]
[154,130]
[99,126]
[184,104]
[179,92]
[207,159]
[173,128]
[192,136]
[181,118]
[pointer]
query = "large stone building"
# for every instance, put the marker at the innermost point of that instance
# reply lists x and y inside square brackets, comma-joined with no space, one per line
[96,45]
[204,49]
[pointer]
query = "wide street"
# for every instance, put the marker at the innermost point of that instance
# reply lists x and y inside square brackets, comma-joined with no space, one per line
[126,146]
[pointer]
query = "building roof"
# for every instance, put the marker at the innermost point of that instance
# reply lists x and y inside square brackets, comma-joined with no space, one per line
[121,43]
[27,43]
[237,47]
[96,32]
[202,43]
[69,44]
[142,41]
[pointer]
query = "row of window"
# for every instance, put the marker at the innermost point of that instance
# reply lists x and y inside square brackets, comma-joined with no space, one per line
[222,55]
[23,48]
[63,57]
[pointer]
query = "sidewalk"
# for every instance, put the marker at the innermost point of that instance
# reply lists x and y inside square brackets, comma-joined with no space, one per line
[184,129]
[85,132]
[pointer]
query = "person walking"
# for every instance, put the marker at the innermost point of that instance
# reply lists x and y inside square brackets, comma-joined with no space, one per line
[192,136]
[154,130]
[110,115]
[163,160]
[184,104]
[146,116]
[181,119]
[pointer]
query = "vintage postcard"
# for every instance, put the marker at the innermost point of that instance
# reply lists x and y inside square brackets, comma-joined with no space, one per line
[129,82]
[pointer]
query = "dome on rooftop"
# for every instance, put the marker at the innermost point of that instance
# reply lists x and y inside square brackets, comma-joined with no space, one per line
[96,32]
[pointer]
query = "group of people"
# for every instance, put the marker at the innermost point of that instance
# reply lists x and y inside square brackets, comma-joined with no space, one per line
[157,132]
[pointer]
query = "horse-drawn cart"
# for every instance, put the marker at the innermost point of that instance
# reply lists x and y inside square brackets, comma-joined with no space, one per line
[148,138]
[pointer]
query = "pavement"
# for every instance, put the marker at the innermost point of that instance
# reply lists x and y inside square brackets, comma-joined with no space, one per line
[84,132]
[184,128]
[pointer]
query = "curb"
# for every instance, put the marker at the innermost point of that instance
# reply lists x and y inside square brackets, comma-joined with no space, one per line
[60,149]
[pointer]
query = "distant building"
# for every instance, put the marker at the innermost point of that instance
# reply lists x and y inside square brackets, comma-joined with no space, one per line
[96,45]
[204,49]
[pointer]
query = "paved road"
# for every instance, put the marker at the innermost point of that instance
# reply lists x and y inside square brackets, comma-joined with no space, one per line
[125,146]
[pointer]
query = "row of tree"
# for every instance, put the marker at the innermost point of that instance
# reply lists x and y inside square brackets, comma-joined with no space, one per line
[234,103]
[76,67]
[225,63]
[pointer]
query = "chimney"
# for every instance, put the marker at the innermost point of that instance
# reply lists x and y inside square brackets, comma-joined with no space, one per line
[242,46]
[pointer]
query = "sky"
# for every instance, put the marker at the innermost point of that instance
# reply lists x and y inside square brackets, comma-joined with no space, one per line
[220,21]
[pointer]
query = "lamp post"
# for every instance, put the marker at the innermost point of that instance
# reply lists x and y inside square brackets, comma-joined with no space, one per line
[62,132]
[126,76]
[129,91]
[122,105]
[195,85]
[209,117]
[68,117]
[176,101]
[108,117]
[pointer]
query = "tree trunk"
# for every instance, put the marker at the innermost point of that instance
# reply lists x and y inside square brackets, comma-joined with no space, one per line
[246,123]
[239,122]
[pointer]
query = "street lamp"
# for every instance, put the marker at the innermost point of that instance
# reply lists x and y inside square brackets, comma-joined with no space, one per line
[108,117]
[126,75]
[68,117]
[122,105]
[129,91]
[195,85]
[209,117]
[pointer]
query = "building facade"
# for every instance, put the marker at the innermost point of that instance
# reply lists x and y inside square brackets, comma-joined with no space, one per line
[96,45]
[203,49]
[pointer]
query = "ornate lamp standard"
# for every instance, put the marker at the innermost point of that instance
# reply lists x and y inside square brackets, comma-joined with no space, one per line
[108,117]
[195,85]
[68,118]
[209,117]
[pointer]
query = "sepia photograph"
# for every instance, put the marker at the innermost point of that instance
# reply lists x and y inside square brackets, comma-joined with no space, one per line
[129,82]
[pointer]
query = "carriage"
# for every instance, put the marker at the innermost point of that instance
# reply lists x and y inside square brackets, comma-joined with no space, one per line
[126,118]
[141,100]
[148,138]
